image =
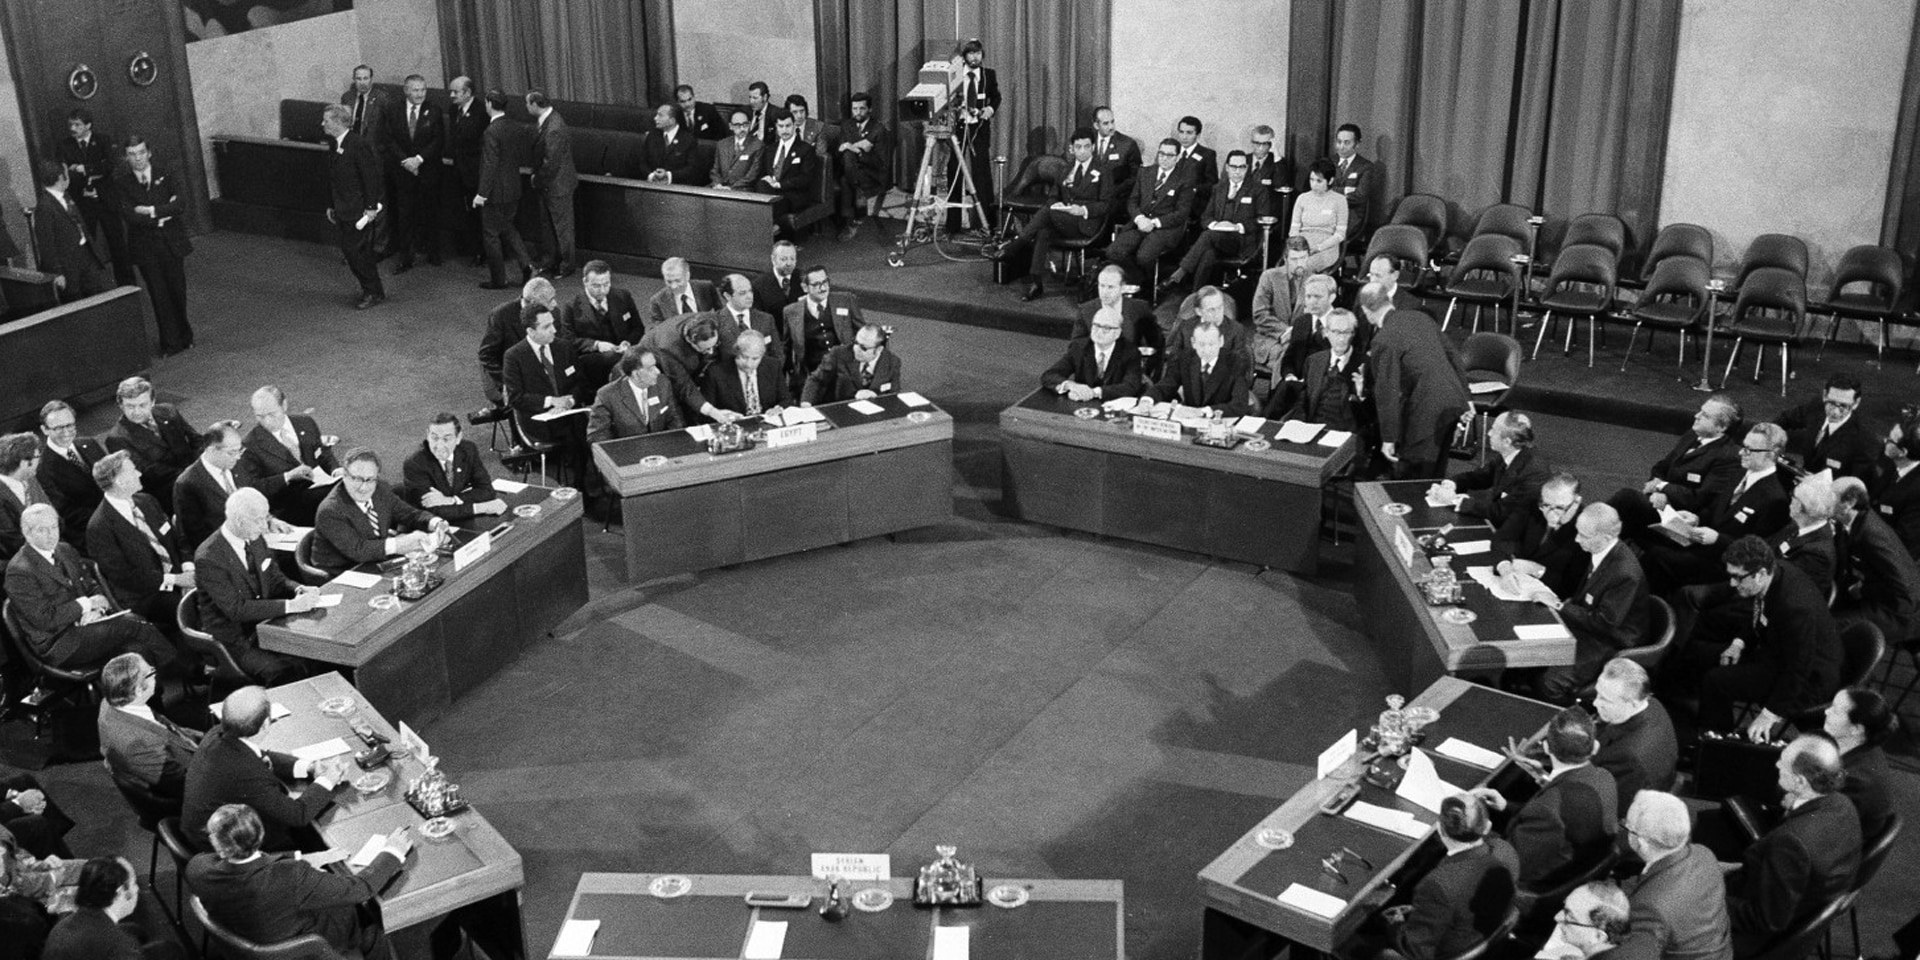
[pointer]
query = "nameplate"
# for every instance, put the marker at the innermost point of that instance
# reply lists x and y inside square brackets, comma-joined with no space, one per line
[788,436]
[473,550]
[1403,545]
[1157,429]
[852,866]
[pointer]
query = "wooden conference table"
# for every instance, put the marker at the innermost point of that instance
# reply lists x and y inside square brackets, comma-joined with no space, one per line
[685,509]
[1243,915]
[413,660]
[1416,641]
[1094,474]
[474,867]
[1062,920]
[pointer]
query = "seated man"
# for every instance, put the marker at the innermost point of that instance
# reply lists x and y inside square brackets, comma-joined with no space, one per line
[747,384]
[1138,325]
[1156,215]
[63,609]
[1826,435]
[200,492]
[1082,202]
[737,158]
[286,458]
[818,322]
[1859,721]
[503,330]
[1636,739]
[19,458]
[1570,824]
[446,476]
[1335,390]
[737,312]
[1804,863]
[1878,580]
[140,744]
[681,296]
[1717,613]
[1541,542]
[866,164]
[135,546]
[1509,482]
[1284,338]
[1207,376]
[667,152]
[861,370]
[269,899]
[1230,226]
[234,766]
[1896,485]
[1465,896]
[540,375]
[636,403]
[792,177]
[365,522]
[65,470]
[29,818]
[1606,613]
[240,586]
[702,117]
[1592,922]
[1704,464]
[1097,367]
[102,925]
[686,348]
[1677,905]
[602,320]
[1210,307]
[1787,657]
[1756,506]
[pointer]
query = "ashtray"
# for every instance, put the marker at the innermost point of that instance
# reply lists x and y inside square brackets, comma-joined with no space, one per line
[563,494]
[872,900]
[384,601]
[338,706]
[670,886]
[439,828]
[652,460]
[527,510]
[1273,838]
[919,416]
[1396,509]
[1458,615]
[1087,413]
[1008,896]
[373,781]
[1257,445]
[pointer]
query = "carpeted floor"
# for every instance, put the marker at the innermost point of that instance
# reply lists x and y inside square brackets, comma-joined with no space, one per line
[1056,705]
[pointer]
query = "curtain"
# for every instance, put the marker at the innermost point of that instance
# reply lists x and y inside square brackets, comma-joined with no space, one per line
[1900,225]
[597,51]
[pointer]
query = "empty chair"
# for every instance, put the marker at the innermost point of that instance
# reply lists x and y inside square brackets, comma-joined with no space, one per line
[1485,274]
[1492,365]
[1678,240]
[1581,285]
[1425,211]
[1881,274]
[1771,308]
[1677,299]
[1598,229]
[1507,220]
[1033,187]
[1405,243]
[1775,250]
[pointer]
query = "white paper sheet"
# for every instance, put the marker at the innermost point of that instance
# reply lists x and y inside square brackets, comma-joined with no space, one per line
[1249,425]
[1469,753]
[357,580]
[1422,784]
[1122,403]
[411,740]
[1332,757]
[508,486]
[1439,498]
[1334,438]
[1184,414]
[321,478]
[1313,901]
[368,851]
[576,938]
[277,711]
[701,432]
[1395,821]
[1298,431]
[1497,584]
[557,414]
[321,750]
[951,943]
[1490,386]
[799,415]
[865,407]
[1469,547]
[915,400]
[766,940]
[328,600]
[324,857]
[1540,631]
[288,540]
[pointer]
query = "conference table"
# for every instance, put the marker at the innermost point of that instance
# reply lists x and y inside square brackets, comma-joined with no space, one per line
[1418,642]
[1060,920]
[1244,913]
[1074,465]
[414,658]
[473,870]
[873,468]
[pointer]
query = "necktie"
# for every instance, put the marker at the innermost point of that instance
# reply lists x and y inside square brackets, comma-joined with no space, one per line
[446,469]
[686,303]
[546,363]
[753,391]
[1206,370]
[290,439]
[600,307]
[73,454]
[640,395]
[359,110]
[1079,170]
[866,375]
[1758,610]
[1740,488]
[1160,181]
[1100,362]
[413,119]
[373,516]
[1102,149]
[1343,168]
[152,540]
[226,481]
[1822,438]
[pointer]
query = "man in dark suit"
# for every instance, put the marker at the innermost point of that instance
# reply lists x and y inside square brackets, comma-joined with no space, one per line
[702,117]
[1138,326]
[90,160]
[1199,163]
[1606,613]
[1467,893]
[792,176]
[1157,212]
[19,488]
[287,458]
[866,164]
[63,609]
[737,311]
[240,586]
[780,286]
[1678,903]
[1827,435]
[749,383]
[1878,580]
[63,244]
[1804,863]
[1787,657]
[1420,388]
[140,744]
[138,551]
[417,138]
[66,469]
[1337,389]
[1290,309]
[667,152]
[1896,485]
[503,151]
[367,107]
[540,374]
[504,329]
[686,347]
[446,476]
[161,441]
[268,899]
[467,122]
[554,181]
[1860,721]
[1570,824]
[978,100]
[1385,271]
[636,403]
[1756,505]
[1637,743]
[1116,151]
[1509,481]
[357,193]
[157,243]
[737,159]
[1359,179]
[228,768]
[603,313]
[1207,376]
[1541,542]
[1703,465]
[1229,226]
[1271,172]
[1083,202]
[101,925]
[682,294]
[818,322]
[861,370]
[762,115]
[364,521]
[1099,366]
[200,492]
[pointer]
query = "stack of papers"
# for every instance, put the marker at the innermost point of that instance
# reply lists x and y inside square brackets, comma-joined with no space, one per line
[766,940]
[367,852]
[357,580]
[576,938]
[1469,753]
[1468,547]
[912,399]
[951,943]
[1249,425]
[1334,438]
[1184,414]
[1313,901]
[800,415]
[276,712]
[1522,585]
[1390,820]
[1298,431]
[1540,631]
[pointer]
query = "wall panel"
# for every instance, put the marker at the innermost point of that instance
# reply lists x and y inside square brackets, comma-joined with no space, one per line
[1224,61]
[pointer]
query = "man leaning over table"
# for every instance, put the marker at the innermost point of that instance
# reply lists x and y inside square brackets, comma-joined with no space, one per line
[240,586]
[1606,613]
[234,765]
[365,521]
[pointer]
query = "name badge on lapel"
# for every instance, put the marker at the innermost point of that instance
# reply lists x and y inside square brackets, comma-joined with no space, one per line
[1833,464]
[1886,509]
[265,564]
[885,387]
[569,370]
[1693,478]
[839,311]
[164,528]
[1589,599]
[1246,199]
[1742,514]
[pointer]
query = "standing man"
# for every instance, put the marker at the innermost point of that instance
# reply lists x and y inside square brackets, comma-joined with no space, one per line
[737,158]
[418,140]
[355,200]
[1119,153]
[762,116]
[1420,387]
[156,241]
[973,137]
[1157,212]
[554,180]
[1082,201]
[503,152]
[1358,179]
[63,244]
[466,133]
[370,109]
[161,441]
[701,116]
[779,286]
[90,159]
[866,164]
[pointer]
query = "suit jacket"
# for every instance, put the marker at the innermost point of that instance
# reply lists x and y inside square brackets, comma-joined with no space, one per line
[615,413]
[685,370]
[1759,510]
[1566,827]
[675,158]
[837,377]
[759,321]
[872,169]
[160,451]
[1850,451]
[524,382]
[1420,386]
[1226,388]
[842,309]
[274,898]
[620,324]
[986,93]
[706,121]
[1243,209]
[89,934]
[1170,204]
[1640,751]
[126,557]
[156,236]
[199,504]
[234,594]
[1875,570]
[265,458]
[1526,536]
[798,173]
[1697,475]
[1121,378]
[1330,397]
[354,181]
[97,156]
[11,539]
[466,135]
[552,157]
[226,770]
[1202,167]
[1270,175]
[1459,901]
[661,307]
[427,140]
[503,151]
[737,165]
[153,753]
[504,329]
[1812,552]
[1897,499]
[1498,488]
[343,536]
[1867,786]
[1233,335]
[46,596]
[469,480]
[1121,154]
[1793,871]
[770,295]
[765,123]
[373,117]
[63,245]
[1797,639]
[1610,607]
[723,389]
[1677,910]
[70,487]
[1097,189]
[1138,326]
[1362,188]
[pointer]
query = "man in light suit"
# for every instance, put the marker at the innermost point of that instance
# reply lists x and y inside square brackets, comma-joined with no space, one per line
[636,403]
[1099,366]
[1420,388]
[228,768]
[1083,201]
[1359,179]
[682,294]
[161,441]
[66,469]
[747,384]
[286,458]
[700,115]
[157,242]
[1570,824]
[1607,613]
[554,181]
[667,152]
[240,586]
[861,370]
[503,151]
[63,245]
[418,140]
[1207,376]
[358,198]
[63,609]
[200,492]
[364,521]
[135,544]
[446,476]
[140,744]
[1678,902]
[818,322]
[737,158]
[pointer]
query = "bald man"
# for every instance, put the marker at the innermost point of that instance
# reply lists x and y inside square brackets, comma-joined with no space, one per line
[240,586]
[62,606]
[1804,863]
[228,768]
[1677,905]
[1607,611]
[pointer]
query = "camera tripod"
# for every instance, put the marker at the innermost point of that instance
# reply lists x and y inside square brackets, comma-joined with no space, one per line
[931,195]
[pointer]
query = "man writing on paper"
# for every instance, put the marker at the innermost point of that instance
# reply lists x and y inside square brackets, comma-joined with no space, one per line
[364,522]
[286,458]
[235,766]
[539,378]
[1539,543]
[240,586]
[1606,613]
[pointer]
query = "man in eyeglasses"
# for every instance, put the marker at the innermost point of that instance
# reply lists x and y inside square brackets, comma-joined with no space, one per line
[1687,549]
[1785,657]
[1540,543]
[1678,902]
[1268,169]
[1703,464]
[139,743]
[364,521]
[1591,922]
[1826,435]
[1230,225]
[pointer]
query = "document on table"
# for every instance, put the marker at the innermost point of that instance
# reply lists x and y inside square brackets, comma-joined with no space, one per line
[357,579]
[1437,497]
[766,939]
[865,407]
[368,851]
[915,400]
[288,540]
[508,486]
[277,712]
[1299,431]
[1469,753]
[576,938]
[1463,548]
[1129,404]
[322,750]
[700,432]
[1334,438]
[1422,784]
[1540,631]
[800,415]
[1249,425]
[1388,819]
[557,414]
[1184,414]
[1312,901]
[1497,585]
[951,943]
[325,600]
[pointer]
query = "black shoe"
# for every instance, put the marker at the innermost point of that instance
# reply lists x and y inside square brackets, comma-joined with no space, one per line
[370,300]
[1033,293]
[490,285]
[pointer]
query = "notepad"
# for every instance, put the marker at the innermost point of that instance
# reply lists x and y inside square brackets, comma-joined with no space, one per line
[1464,547]
[322,750]
[356,580]
[1298,431]
[915,400]
[1312,901]
[1334,438]
[557,414]
[277,711]
[576,938]
[701,432]
[1461,750]
[508,486]
[799,415]
[951,943]
[1249,425]
[1540,631]
[1390,820]
[864,407]
[766,939]
[328,600]
[367,852]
